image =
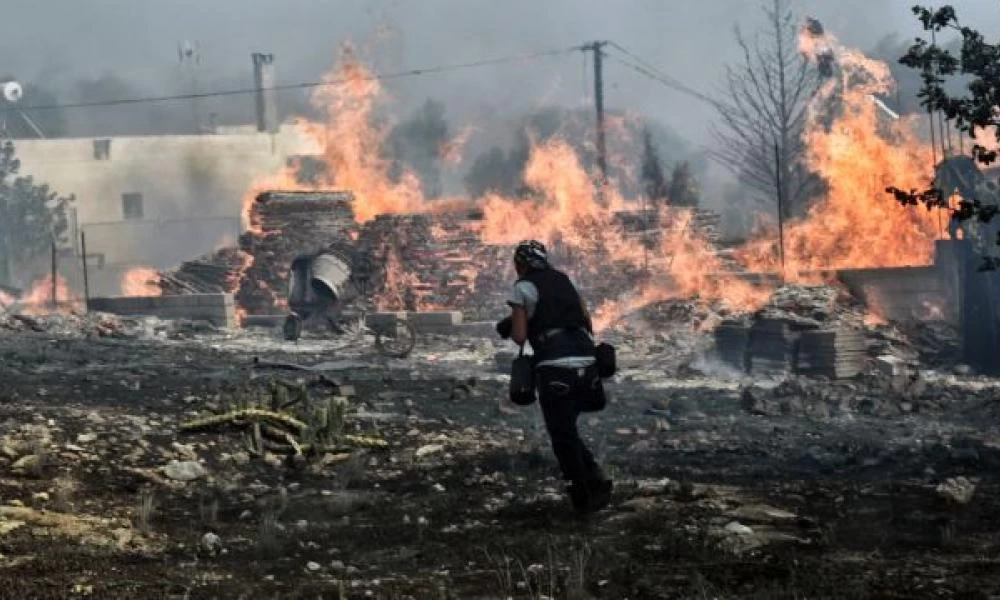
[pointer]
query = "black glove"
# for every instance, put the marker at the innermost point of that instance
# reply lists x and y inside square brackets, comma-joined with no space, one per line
[505,327]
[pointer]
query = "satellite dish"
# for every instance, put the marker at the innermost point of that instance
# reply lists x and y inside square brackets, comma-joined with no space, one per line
[12,91]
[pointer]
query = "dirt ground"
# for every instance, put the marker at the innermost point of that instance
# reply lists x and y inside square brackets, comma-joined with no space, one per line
[713,498]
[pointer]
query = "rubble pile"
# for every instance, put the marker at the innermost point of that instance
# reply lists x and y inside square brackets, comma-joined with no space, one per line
[94,325]
[934,343]
[876,393]
[821,331]
[813,307]
[811,330]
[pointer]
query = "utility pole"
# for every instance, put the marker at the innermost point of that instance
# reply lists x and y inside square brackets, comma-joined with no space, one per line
[602,152]
[188,54]
[781,210]
[5,270]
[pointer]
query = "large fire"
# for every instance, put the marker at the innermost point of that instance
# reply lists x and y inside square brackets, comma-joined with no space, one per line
[856,224]
[857,153]
[141,281]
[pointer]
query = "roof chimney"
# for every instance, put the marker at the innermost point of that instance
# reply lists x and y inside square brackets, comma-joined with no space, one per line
[266,103]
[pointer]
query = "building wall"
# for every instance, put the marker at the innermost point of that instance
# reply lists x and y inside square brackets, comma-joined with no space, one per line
[191,185]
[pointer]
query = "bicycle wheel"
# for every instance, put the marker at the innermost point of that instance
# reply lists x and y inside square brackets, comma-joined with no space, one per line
[397,341]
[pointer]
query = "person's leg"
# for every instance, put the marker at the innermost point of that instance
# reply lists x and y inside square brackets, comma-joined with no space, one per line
[590,394]
[559,393]
[555,394]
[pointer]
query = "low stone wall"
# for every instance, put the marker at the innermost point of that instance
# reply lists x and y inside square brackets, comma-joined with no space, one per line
[906,293]
[218,309]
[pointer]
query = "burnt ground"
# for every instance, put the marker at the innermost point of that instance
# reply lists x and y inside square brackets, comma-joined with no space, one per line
[712,500]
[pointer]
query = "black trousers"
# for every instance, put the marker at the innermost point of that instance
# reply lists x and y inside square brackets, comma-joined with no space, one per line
[564,394]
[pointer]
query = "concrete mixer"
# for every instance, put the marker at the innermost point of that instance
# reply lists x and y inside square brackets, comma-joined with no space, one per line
[321,288]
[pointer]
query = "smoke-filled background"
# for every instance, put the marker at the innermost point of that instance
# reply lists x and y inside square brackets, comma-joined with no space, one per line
[68,51]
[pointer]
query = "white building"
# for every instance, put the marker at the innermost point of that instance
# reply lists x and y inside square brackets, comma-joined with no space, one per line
[157,200]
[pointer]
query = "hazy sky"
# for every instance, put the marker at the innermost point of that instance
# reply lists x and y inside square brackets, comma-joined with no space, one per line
[61,40]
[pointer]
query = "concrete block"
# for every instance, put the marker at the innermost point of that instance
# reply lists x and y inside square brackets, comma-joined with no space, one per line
[219,309]
[445,318]
[381,321]
[483,329]
[892,366]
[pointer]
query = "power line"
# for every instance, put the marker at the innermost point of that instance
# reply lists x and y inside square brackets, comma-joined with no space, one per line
[644,68]
[299,86]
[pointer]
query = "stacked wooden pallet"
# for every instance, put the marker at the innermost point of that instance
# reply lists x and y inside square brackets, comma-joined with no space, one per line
[772,347]
[834,353]
[732,343]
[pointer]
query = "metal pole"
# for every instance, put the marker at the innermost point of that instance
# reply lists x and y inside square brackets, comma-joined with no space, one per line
[930,114]
[781,210]
[86,280]
[602,157]
[4,243]
[55,272]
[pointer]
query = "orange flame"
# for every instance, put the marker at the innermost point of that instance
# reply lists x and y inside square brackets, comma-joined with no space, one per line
[451,150]
[141,281]
[854,224]
[38,299]
[875,314]
[352,143]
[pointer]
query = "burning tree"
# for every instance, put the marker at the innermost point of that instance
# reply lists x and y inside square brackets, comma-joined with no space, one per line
[974,113]
[766,105]
[683,189]
[416,144]
[654,182]
[32,216]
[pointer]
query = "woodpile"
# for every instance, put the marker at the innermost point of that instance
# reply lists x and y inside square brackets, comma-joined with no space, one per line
[213,274]
[284,225]
[434,261]
[703,223]
[419,261]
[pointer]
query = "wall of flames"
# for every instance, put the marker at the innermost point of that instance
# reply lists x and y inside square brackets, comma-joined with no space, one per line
[854,224]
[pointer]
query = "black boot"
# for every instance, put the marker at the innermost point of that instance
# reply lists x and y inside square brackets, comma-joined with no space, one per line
[579,496]
[600,494]
[591,496]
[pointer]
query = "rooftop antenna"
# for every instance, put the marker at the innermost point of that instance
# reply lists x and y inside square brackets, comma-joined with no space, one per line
[189,58]
[11,92]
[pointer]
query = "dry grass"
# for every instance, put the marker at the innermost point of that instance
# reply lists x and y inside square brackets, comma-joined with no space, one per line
[145,509]
[63,489]
[208,507]
[269,533]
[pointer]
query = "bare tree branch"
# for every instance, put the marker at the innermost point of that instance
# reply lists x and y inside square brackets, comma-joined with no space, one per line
[765,102]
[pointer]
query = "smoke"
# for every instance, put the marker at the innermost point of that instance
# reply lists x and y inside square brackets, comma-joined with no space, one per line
[119,46]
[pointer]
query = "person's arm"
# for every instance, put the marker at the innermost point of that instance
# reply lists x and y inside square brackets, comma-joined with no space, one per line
[519,333]
[587,317]
[522,301]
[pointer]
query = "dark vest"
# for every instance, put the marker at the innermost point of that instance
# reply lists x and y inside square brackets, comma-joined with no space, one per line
[559,308]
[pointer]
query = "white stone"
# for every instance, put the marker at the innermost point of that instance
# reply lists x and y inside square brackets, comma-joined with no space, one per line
[738,528]
[184,471]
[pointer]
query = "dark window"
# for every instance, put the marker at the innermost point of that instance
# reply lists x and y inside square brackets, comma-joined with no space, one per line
[102,149]
[132,205]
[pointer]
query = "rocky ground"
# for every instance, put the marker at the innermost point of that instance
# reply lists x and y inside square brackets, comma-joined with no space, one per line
[878,487]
